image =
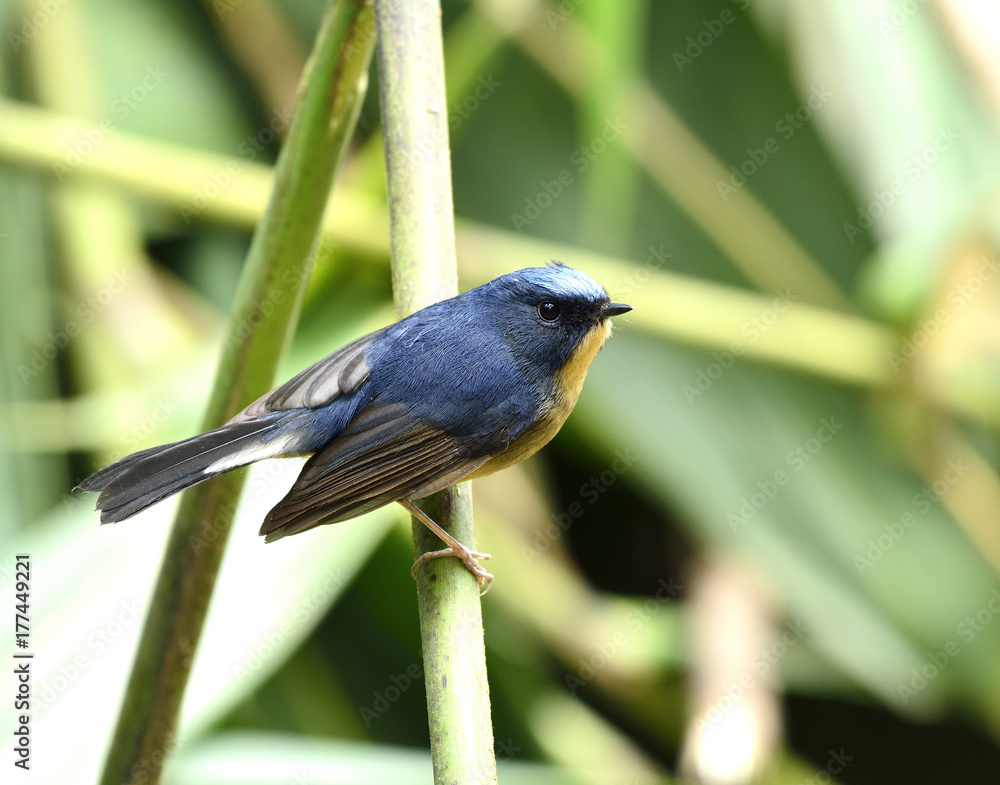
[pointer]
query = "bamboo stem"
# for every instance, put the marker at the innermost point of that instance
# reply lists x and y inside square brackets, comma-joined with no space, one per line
[277,266]
[415,129]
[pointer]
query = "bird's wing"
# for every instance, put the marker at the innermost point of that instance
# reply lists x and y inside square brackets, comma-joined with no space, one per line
[384,455]
[339,374]
[278,425]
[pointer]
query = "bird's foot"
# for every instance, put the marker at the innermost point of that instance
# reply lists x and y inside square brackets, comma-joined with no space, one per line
[468,557]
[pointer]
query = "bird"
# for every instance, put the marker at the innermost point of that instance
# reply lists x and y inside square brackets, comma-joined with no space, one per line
[457,390]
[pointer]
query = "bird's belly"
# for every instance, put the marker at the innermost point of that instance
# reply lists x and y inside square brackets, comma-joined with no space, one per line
[536,437]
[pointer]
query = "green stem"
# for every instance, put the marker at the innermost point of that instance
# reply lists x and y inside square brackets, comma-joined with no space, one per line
[673,156]
[176,177]
[810,339]
[415,129]
[277,266]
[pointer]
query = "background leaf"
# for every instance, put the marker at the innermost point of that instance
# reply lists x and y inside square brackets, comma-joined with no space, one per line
[765,545]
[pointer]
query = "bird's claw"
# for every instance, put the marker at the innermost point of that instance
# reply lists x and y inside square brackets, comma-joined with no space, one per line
[468,557]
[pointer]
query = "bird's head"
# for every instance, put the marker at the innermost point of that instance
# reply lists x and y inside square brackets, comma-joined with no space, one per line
[554,316]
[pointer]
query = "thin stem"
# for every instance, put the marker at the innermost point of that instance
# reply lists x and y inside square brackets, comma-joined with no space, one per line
[180,178]
[273,282]
[676,160]
[415,129]
[697,312]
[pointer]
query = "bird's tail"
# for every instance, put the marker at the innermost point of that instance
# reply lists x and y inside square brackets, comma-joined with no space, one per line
[143,478]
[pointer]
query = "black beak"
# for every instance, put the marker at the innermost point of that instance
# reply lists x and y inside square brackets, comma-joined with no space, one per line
[615,309]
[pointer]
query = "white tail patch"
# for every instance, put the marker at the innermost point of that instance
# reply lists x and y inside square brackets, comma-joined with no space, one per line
[275,448]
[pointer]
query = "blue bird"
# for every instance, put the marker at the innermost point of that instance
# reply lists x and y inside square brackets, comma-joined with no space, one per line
[460,389]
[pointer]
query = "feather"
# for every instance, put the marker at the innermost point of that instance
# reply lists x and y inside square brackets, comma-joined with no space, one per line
[384,455]
[137,481]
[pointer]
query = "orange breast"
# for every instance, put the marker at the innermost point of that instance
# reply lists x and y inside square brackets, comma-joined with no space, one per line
[568,383]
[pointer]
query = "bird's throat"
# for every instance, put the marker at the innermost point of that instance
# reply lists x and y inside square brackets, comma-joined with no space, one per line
[568,383]
[569,378]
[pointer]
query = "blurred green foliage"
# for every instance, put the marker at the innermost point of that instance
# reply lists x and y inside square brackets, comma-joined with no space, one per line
[767,541]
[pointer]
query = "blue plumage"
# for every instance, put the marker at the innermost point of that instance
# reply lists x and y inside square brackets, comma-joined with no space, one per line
[461,388]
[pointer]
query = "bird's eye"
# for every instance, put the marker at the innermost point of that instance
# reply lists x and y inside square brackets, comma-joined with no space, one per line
[548,310]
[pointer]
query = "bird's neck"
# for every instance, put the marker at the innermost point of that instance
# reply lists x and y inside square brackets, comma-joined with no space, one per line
[569,378]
